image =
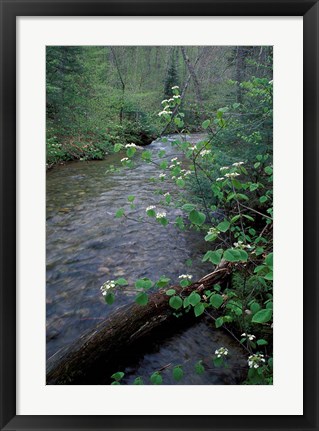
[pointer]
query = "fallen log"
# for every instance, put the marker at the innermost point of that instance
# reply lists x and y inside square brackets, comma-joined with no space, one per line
[99,351]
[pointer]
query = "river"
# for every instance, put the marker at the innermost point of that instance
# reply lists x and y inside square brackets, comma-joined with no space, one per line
[86,245]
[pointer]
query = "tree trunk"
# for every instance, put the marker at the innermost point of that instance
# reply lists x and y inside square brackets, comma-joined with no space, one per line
[99,352]
[194,77]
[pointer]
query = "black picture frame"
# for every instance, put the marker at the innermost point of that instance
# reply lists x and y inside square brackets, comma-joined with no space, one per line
[10,9]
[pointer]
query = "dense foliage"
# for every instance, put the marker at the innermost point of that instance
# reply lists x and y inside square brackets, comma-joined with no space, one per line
[225,179]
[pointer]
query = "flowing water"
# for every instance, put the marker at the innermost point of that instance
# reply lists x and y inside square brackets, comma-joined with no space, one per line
[87,245]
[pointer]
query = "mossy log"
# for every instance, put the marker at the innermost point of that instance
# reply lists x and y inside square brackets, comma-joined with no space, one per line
[99,351]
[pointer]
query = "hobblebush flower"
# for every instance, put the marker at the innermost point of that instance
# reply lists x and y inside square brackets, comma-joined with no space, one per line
[232,175]
[174,159]
[213,231]
[186,276]
[175,87]
[167,194]
[224,168]
[108,285]
[171,100]
[205,152]
[164,101]
[220,179]
[162,175]
[255,361]
[160,214]
[238,163]
[151,207]
[125,159]
[130,145]
[177,96]
[250,337]
[222,351]
[164,112]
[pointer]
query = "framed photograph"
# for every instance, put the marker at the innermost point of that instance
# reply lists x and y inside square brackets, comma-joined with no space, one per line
[154,158]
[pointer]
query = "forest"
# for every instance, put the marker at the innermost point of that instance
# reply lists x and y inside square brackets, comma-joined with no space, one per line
[159,215]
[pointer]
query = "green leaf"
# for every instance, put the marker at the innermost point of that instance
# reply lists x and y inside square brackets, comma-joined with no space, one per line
[131,198]
[121,282]
[262,316]
[194,298]
[119,213]
[188,207]
[141,298]
[138,381]
[178,373]
[214,256]
[115,383]
[184,282]
[197,217]
[151,213]
[117,147]
[199,309]
[130,151]
[175,302]
[205,124]
[218,362]
[109,298]
[199,368]
[232,255]
[263,199]
[269,276]
[211,237]
[255,307]
[163,164]
[262,342]
[162,282]
[268,170]
[216,300]
[269,260]
[243,255]
[186,302]
[219,322]
[223,226]
[146,155]
[248,217]
[156,378]
[117,376]
[143,283]
[170,292]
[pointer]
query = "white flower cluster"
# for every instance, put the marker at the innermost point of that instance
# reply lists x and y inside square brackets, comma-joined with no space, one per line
[177,96]
[125,159]
[162,175]
[232,175]
[175,163]
[241,245]
[108,285]
[130,145]
[224,168]
[205,152]
[249,336]
[222,351]
[164,112]
[167,194]
[160,214]
[256,360]
[175,87]
[220,179]
[238,163]
[213,231]
[151,207]
[186,276]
